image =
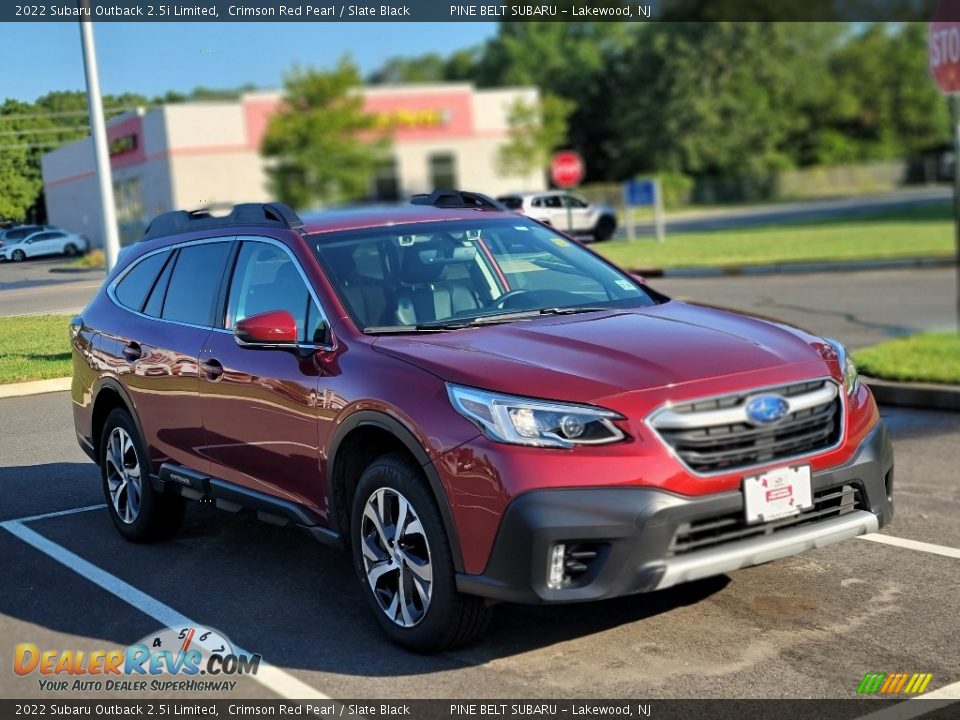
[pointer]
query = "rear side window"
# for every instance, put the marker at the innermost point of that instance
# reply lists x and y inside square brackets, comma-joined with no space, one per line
[195,283]
[154,305]
[133,289]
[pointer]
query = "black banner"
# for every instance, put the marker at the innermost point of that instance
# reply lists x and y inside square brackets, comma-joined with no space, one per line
[487,709]
[468,10]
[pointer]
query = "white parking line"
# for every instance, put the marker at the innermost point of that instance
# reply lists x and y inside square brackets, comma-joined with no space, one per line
[920,705]
[912,545]
[273,678]
[59,513]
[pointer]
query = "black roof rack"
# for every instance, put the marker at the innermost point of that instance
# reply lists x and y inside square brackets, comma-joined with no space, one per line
[458,199]
[274,214]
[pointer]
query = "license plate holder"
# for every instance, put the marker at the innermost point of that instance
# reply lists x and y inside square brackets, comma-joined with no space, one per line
[777,494]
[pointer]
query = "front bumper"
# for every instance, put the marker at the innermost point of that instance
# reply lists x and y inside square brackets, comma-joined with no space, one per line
[632,533]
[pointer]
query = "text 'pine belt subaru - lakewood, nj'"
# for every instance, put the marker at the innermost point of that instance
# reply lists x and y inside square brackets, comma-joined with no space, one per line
[477,406]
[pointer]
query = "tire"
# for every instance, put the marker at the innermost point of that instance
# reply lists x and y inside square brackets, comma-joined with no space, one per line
[437,617]
[605,228]
[140,513]
[70,250]
[18,256]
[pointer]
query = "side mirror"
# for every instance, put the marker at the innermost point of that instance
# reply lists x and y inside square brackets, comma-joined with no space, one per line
[273,329]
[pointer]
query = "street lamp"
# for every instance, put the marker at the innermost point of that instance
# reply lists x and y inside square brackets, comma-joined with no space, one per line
[98,131]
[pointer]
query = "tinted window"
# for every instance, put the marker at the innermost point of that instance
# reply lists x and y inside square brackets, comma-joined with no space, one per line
[154,305]
[44,236]
[512,202]
[133,288]
[20,233]
[265,279]
[195,283]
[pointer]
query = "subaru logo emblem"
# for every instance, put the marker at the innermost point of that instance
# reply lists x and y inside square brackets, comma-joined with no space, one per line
[766,409]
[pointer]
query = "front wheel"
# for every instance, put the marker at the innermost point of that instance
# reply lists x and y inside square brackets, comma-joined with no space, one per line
[18,256]
[70,250]
[140,513]
[403,560]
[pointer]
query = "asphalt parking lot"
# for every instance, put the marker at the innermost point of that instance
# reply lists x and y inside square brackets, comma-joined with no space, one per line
[809,626]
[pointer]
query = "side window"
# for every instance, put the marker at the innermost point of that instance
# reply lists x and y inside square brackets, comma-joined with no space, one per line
[443,170]
[195,282]
[537,202]
[265,279]
[552,201]
[573,202]
[154,305]
[133,289]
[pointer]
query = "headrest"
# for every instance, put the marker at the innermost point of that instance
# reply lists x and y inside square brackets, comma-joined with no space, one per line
[426,262]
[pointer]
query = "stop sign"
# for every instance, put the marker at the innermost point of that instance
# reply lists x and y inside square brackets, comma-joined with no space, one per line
[567,169]
[944,55]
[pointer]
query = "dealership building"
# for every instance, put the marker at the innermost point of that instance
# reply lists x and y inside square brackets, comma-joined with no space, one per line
[206,154]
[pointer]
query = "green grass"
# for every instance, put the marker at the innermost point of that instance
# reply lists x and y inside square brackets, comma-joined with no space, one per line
[928,357]
[917,232]
[93,260]
[34,347]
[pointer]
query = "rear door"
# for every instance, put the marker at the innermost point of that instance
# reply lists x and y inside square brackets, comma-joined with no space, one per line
[260,405]
[172,299]
[581,214]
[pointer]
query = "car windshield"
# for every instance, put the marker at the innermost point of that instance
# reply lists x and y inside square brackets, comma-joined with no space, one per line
[445,275]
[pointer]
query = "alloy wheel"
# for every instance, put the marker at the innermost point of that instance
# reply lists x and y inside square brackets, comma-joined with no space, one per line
[396,557]
[123,475]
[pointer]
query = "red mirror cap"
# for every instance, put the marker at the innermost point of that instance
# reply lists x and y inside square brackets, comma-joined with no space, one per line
[270,328]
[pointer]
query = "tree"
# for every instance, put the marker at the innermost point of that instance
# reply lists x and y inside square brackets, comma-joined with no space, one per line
[323,146]
[535,130]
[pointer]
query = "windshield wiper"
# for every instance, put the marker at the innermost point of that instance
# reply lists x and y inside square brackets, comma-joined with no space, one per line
[504,318]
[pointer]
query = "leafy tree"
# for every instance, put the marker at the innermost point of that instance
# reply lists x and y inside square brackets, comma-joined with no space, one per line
[324,147]
[535,131]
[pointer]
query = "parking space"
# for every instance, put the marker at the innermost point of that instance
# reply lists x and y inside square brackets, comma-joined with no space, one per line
[808,626]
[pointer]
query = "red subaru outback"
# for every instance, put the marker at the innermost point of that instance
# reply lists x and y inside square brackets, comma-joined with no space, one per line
[478,407]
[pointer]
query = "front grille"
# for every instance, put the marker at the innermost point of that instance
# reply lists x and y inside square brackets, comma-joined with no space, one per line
[714,435]
[710,532]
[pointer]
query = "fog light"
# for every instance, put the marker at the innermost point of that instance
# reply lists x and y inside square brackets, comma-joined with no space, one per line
[555,568]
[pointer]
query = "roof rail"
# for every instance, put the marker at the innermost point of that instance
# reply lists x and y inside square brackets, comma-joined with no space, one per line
[458,199]
[274,214]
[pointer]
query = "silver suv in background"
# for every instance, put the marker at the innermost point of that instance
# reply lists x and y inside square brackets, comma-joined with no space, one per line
[565,212]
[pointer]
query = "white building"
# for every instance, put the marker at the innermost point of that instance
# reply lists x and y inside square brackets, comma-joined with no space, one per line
[192,155]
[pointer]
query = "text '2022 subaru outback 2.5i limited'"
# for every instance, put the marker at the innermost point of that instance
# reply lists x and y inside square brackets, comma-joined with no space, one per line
[476,406]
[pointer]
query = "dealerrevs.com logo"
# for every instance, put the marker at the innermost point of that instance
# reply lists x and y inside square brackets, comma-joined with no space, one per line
[171,660]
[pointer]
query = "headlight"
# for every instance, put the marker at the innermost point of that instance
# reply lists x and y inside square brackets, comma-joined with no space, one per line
[851,380]
[525,421]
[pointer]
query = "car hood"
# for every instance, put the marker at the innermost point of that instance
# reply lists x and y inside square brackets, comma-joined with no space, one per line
[593,355]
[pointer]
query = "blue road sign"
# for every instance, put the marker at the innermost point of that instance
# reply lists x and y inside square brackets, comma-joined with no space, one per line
[640,192]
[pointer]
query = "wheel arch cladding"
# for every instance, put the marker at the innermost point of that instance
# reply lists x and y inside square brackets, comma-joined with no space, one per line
[109,396]
[359,440]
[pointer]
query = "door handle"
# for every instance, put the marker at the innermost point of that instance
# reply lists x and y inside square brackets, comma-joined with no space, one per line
[132,351]
[212,369]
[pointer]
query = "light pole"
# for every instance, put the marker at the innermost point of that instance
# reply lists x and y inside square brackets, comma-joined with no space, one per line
[98,131]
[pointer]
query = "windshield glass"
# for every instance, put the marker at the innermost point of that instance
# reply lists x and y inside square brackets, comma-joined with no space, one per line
[469,271]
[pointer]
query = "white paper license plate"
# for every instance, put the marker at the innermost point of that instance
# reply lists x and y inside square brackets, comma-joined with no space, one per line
[777,494]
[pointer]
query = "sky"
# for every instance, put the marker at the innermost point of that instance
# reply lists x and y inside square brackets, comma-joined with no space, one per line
[151,58]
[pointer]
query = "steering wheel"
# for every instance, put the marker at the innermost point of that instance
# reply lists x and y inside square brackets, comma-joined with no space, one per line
[502,300]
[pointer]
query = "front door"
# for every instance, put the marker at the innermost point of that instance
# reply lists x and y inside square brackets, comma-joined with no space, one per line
[259,405]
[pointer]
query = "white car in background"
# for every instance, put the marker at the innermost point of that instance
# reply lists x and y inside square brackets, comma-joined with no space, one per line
[45,242]
[565,212]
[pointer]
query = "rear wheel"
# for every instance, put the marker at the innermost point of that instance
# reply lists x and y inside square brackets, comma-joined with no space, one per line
[139,512]
[18,256]
[605,228]
[404,563]
[70,250]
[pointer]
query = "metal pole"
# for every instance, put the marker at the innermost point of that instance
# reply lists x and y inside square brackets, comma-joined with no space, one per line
[98,131]
[955,106]
[658,210]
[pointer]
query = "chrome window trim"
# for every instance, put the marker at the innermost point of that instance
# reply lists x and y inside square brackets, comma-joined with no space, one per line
[111,288]
[744,470]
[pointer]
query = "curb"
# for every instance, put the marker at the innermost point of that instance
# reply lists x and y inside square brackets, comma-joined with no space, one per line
[72,270]
[798,267]
[915,395]
[35,387]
